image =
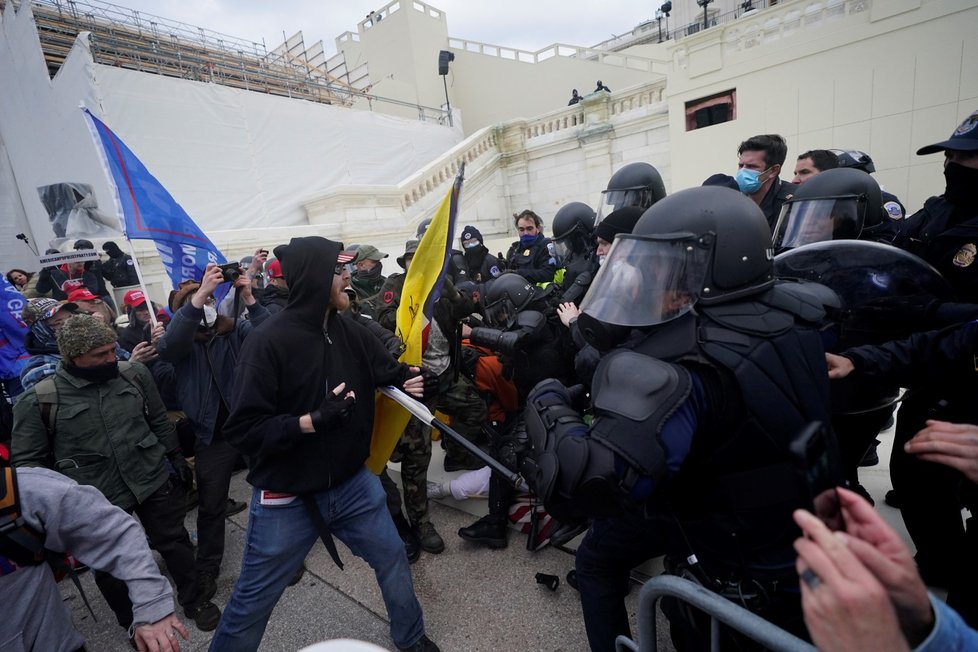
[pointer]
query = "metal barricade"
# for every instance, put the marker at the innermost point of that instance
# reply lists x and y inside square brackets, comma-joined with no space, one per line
[719,609]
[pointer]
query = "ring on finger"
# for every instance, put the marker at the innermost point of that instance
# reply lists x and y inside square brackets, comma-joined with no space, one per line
[809,577]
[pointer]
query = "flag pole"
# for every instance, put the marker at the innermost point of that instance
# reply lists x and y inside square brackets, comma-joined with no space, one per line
[142,284]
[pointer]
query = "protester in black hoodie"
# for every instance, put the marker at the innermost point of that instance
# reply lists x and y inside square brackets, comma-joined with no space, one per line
[302,412]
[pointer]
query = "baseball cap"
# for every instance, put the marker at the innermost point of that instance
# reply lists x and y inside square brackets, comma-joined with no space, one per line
[275,269]
[134,298]
[346,257]
[964,138]
[369,252]
[42,308]
[82,294]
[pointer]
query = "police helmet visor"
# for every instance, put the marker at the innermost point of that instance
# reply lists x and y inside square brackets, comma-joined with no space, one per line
[806,221]
[501,313]
[649,280]
[612,200]
[563,249]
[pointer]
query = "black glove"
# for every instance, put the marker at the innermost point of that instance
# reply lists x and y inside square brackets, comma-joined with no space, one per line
[431,383]
[332,411]
[180,469]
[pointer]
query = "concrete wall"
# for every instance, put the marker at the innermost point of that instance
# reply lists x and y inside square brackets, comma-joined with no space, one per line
[487,84]
[883,76]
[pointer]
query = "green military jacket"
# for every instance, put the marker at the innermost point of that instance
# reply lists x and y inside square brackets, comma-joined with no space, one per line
[113,436]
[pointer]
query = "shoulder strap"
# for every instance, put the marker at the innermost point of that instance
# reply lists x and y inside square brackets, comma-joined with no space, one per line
[130,375]
[47,398]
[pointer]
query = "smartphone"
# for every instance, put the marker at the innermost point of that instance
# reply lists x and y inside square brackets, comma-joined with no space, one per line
[818,469]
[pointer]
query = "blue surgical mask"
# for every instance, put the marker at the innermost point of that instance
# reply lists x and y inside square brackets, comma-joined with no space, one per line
[749,181]
[528,240]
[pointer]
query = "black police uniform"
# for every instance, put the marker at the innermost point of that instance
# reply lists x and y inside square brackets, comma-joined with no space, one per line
[535,263]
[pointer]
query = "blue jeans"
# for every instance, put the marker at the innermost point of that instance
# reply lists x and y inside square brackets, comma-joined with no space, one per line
[278,539]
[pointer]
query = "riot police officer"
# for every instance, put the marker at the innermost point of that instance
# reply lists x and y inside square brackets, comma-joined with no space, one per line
[521,334]
[838,204]
[636,184]
[573,230]
[853,158]
[688,450]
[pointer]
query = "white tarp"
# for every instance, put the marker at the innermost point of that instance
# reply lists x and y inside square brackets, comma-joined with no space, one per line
[232,158]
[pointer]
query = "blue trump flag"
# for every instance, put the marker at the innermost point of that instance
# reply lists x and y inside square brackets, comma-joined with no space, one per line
[148,212]
[12,331]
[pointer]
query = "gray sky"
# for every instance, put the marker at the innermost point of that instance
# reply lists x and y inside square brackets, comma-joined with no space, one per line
[525,24]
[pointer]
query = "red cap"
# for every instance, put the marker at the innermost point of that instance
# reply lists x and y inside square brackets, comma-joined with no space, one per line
[134,298]
[275,269]
[81,294]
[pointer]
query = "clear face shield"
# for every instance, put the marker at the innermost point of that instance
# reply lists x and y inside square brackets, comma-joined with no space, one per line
[649,280]
[501,313]
[612,200]
[806,221]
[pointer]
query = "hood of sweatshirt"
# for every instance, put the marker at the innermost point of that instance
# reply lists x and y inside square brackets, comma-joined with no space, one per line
[308,264]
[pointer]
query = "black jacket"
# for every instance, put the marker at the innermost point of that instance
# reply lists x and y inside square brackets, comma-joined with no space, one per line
[535,263]
[119,270]
[286,368]
[947,238]
[274,298]
[775,198]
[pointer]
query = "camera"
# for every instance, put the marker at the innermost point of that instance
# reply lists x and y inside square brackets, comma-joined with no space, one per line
[230,271]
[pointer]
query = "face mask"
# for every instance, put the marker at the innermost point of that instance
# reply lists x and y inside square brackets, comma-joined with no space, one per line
[472,244]
[370,274]
[961,183]
[98,374]
[528,240]
[210,317]
[749,181]
[601,260]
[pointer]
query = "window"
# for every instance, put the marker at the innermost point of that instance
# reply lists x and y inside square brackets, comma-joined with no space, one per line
[712,110]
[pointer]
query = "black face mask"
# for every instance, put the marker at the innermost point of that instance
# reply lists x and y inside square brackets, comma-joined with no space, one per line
[962,186]
[102,373]
[371,274]
[475,256]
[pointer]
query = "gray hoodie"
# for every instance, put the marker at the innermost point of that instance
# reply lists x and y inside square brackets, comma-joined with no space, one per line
[77,519]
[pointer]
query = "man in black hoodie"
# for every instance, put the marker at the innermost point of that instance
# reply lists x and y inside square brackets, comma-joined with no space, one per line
[302,412]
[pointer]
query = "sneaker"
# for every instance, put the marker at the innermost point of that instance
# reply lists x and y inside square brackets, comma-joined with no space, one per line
[205,615]
[489,530]
[424,644]
[429,539]
[439,490]
[206,587]
[235,506]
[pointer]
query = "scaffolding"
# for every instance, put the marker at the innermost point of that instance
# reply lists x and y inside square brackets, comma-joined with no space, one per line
[130,39]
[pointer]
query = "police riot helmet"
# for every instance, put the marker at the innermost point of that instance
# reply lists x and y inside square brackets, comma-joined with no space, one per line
[636,184]
[837,204]
[422,227]
[853,158]
[702,245]
[573,228]
[506,295]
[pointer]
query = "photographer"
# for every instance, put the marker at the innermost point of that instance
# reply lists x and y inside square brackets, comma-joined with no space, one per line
[203,348]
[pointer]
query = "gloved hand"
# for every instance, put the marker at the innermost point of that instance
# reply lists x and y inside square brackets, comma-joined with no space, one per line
[334,409]
[431,383]
[181,470]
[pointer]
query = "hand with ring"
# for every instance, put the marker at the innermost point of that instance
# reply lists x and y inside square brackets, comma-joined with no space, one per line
[844,605]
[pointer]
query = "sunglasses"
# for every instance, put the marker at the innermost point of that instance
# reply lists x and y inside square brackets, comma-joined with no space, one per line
[342,266]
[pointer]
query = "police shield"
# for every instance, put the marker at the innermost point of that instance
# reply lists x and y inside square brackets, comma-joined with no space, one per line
[885,294]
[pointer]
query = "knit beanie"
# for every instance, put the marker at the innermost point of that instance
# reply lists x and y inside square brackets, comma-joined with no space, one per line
[622,220]
[79,334]
[471,233]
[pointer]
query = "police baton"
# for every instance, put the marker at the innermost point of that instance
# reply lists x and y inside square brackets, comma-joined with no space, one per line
[421,411]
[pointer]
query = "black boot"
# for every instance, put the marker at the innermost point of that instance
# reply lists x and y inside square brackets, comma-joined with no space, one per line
[489,530]
[412,547]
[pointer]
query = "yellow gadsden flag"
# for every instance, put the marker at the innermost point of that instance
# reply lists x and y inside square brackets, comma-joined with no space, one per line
[422,286]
